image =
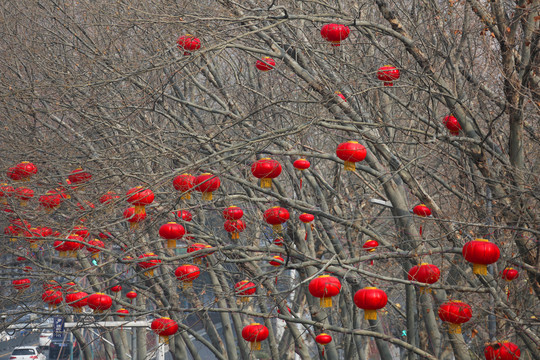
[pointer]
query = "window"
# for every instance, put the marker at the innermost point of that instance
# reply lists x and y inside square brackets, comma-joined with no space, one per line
[24,352]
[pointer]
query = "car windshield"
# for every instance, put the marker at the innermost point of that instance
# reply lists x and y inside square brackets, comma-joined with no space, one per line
[24,352]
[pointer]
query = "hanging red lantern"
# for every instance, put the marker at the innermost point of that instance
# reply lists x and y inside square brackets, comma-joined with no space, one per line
[351,152]
[278,241]
[184,183]
[133,218]
[131,295]
[6,191]
[370,299]
[79,176]
[183,215]
[108,197]
[81,231]
[186,274]
[188,43]
[306,218]
[95,246]
[255,333]
[452,124]
[503,350]
[233,213]
[323,339]
[234,228]
[74,246]
[171,232]
[422,210]
[388,74]
[510,274]
[424,273]
[244,289]
[335,33]
[266,169]
[33,237]
[339,94]
[26,170]
[52,298]
[12,232]
[116,288]
[21,284]
[61,247]
[148,265]
[324,287]
[52,285]
[194,248]
[278,261]
[481,253]
[265,64]
[77,300]
[370,246]
[122,313]
[206,184]
[140,197]
[455,313]
[51,200]
[99,302]
[164,327]
[24,194]
[276,216]
[301,164]
[13,174]
[69,286]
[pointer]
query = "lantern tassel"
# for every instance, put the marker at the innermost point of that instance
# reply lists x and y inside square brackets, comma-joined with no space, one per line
[454,328]
[507,289]
[350,166]
[323,351]
[370,314]
[480,269]
[235,235]
[139,209]
[171,243]
[266,183]
[277,228]
[187,285]
[256,346]
[420,230]
[207,196]
[325,302]
[133,226]
[300,183]
[186,196]
[149,273]
[95,256]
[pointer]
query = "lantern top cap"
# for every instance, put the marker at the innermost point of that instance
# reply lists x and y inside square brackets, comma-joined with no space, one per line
[509,268]
[421,264]
[370,288]
[99,293]
[323,334]
[186,174]
[266,158]
[254,324]
[188,35]
[456,301]
[352,142]
[206,174]
[483,240]
[171,222]
[166,318]
[325,275]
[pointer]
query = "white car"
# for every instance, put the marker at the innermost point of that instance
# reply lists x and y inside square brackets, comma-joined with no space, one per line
[27,353]
[45,338]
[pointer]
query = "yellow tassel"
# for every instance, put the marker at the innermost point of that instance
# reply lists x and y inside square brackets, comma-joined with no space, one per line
[370,314]
[149,273]
[207,196]
[277,228]
[139,209]
[350,166]
[454,328]
[186,196]
[171,243]
[256,346]
[325,302]
[480,269]
[266,183]
[95,256]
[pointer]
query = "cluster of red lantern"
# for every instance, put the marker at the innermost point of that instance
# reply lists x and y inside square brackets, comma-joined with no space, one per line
[233,224]
[188,43]
[504,350]
[23,171]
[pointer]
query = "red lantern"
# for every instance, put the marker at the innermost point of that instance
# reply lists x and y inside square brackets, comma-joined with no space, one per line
[171,232]
[233,213]
[52,285]
[186,274]
[24,194]
[503,350]
[13,174]
[108,197]
[188,43]
[164,327]
[422,210]
[455,313]
[278,241]
[244,289]
[131,295]
[206,184]
[370,246]
[234,228]
[52,298]
[452,124]
[276,216]
[12,232]
[335,33]
[51,200]
[140,197]
[323,339]
[265,64]
[388,74]
[70,286]
[255,333]
[116,288]
[510,274]
[481,253]
[194,248]
[324,287]
[5,192]
[266,169]
[26,170]
[351,152]
[99,302]
[306,218]
[95,246]
[338,93]
[301,164]
[77,300]
[424,273]
[74,246]
[79,176]
[82,231]
[184,215]
[184,183]
[148,265]
[121,313]
[278,261]
[61,247]
[370,299]
[21,284]
[133,218]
